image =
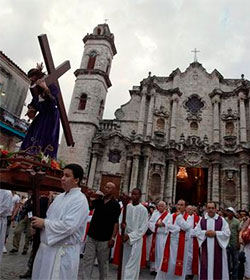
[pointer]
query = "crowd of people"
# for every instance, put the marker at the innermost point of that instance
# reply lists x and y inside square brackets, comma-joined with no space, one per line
[179,241]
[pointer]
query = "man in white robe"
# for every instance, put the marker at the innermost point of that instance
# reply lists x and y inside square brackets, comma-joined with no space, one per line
[174,261]
[6,206]
[136,225]
[158,225]
[213,235]
[149,234]
[193,250]
[62,230]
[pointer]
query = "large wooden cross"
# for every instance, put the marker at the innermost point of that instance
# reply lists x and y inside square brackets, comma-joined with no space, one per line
[52,77]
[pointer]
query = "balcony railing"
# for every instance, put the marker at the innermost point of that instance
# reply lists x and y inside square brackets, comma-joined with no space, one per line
[108,125]
[13,121]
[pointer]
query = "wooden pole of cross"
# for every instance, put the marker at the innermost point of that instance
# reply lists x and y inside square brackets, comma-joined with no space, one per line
[53,75]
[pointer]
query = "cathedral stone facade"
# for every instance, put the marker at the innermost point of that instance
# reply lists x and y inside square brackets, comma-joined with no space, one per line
[186,135]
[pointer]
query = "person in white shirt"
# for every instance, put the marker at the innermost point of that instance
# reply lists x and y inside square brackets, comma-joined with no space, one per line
[213,235]
[135,226]
[62,230]
[158,225]
[174,261]
[5,211]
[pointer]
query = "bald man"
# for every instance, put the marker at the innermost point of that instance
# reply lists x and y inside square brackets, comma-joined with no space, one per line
[102,231]
[174,261]
[158,225]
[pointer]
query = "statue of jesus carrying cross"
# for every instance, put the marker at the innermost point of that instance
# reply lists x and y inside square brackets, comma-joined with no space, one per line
[46,107]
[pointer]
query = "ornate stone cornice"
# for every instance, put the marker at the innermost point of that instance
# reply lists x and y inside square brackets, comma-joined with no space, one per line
[94,72]
[109,38]
[161,112]
[230,116]
[216,92]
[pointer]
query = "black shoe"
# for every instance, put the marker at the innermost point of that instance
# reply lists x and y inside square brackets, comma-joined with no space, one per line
[153,273]
[12,251]
[27,274]
[24,252]
[81,256]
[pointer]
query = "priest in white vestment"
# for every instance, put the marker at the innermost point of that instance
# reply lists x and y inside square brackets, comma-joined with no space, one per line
[174,261]
[213,235]
[193,250]
[62,230]
[158,225]
[6,206]
[136,225]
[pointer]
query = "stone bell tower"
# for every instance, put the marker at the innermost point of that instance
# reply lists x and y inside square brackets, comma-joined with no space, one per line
[89,95]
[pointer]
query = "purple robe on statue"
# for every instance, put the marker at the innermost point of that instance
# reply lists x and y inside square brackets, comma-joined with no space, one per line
[43,133]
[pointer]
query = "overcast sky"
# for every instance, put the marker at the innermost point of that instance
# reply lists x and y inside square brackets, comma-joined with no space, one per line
[150,35]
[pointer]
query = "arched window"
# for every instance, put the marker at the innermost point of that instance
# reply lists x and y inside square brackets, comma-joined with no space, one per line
[99,31]
[108,66]
[82,102]
[160,124]
[194,125]
[92,59]
[229,128]
[101,108]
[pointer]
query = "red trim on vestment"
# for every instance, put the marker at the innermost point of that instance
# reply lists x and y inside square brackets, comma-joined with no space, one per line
[144,252]
[180,252]
[153,245]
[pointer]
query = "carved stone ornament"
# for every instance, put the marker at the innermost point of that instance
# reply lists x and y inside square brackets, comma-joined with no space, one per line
[114,156]
[157,167]
[230,116]
[194,117]
[161,112]
[193,142]
[230,173]
[190,159]
[230,141]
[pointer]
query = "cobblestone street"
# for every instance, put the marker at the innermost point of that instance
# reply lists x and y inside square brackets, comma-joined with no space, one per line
[15,264]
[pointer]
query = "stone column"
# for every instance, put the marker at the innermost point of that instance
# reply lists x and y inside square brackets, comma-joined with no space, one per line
[135,170]
[216,119]
[174,183]
[145,177]
[244,186]
[175,100]
[142,112]
[92,170]
[209,180]
[127,175]
[168,192]
[150,115]
[243,124]
[216,183]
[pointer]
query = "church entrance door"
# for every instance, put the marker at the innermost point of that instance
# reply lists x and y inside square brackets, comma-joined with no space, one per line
[193,186]
[114,179]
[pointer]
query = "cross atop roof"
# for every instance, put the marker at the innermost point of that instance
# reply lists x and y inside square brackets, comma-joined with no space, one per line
[195,51]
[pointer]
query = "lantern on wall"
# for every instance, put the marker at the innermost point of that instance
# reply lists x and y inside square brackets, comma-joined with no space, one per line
[182,173]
